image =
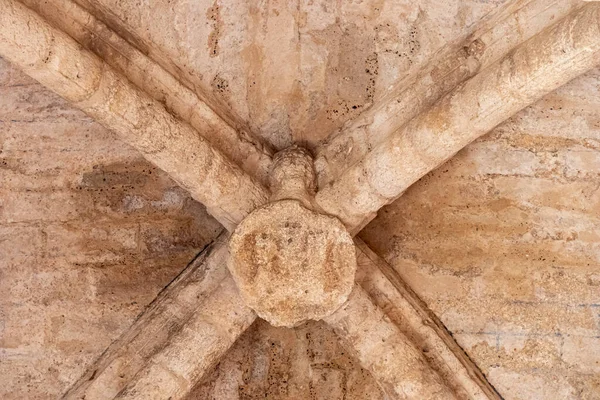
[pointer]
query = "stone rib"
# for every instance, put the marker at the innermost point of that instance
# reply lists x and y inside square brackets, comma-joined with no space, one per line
[200,337]
[198,315]
[495,36]
[239,146]
[545,62]
[211,330]
[383,349]
[412,316]
[58,62]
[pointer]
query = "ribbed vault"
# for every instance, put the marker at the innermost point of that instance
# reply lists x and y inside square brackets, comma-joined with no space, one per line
[138,85]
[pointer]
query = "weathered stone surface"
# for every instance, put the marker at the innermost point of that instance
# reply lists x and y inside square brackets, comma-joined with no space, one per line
[490,39]
[292,264]
[90,233]
[306,362]
[294,71]
[394,360]
[502,242]
[191,350]
[59,63]
[540,65]
[178,338]
[235,142]
[527,327]
[421,326]
[292,176]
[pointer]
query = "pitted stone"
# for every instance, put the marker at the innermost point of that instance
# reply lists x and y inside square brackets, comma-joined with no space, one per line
[293,176]
[292,264]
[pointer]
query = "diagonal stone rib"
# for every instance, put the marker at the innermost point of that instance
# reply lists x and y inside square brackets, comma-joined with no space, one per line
[545,62]
[239,146]
[180,336]
[396,337]
[383,349]
[414,319]
[493,37]
[197,318]
[211,330]
[57,61]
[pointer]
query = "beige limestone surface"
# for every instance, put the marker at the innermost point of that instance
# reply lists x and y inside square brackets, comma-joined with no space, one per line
[89,235]
[280,363]
[290,70]
[292,264]
[489,40]
[397,363]
[550,59]
[501,242]
[57,61]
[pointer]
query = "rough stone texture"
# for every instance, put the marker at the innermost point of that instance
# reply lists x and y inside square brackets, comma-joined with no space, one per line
[234,141]
[57,61]
[188,353]
[502,243]
[292,70]
[548,60]
[490,39]
[504,247]
[288,364]
[394,360]
[89,234]
[292,264]
[292,176]
[180,336]
[421,326]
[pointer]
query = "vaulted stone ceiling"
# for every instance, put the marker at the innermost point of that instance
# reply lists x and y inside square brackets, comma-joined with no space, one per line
[501,242]
[294,70]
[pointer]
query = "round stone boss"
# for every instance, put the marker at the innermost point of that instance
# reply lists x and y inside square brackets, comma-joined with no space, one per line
[292,264]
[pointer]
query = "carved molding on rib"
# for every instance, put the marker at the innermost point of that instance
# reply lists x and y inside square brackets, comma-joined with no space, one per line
[55,60]
[457,62]
[177,338]
[545,62]
[245,150]
[204,327]
[412,316]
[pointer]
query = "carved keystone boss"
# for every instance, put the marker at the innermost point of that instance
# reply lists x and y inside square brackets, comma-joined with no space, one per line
[290,263]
